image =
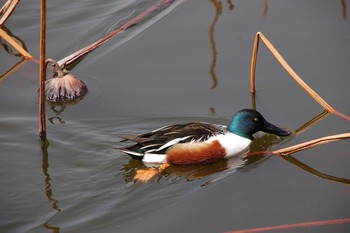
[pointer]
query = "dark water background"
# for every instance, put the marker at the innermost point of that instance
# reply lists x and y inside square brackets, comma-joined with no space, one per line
[141,81]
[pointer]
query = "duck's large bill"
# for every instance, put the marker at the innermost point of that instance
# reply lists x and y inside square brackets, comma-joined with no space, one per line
[273,129]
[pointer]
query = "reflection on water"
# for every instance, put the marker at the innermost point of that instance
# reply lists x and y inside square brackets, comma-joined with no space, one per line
[8,48]
[174,173]
[48,189]
[12,52]
[218,10]
[103,177]
[315,172]
[212,111]
[59,107]
[314,121]
[265,8]
[343,8]
[342,5]
[113,178]
[13,69]
[230,5]
[138,18]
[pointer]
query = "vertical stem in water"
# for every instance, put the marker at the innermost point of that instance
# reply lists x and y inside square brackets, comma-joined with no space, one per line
[42,118]
[253,63]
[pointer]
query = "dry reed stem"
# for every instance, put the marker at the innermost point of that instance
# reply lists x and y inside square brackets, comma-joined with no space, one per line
[292,226]
[285,65]
[342,115]
[309,90]
[82,52]
[7,10]
[309,144]
[12,42]
[42,117]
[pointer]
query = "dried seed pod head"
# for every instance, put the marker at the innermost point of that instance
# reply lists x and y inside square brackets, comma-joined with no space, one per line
[64,86]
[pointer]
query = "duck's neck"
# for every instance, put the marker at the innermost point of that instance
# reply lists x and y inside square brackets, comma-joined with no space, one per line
[240,129]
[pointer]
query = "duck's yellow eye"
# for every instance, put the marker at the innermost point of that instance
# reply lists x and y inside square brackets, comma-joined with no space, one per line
[255,119]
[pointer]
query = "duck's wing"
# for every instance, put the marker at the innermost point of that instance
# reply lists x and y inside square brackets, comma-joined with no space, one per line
[161,139]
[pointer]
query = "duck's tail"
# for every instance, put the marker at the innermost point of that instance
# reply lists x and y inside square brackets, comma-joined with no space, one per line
[134,154]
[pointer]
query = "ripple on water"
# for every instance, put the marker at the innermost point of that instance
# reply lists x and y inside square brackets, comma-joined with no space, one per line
[87,182]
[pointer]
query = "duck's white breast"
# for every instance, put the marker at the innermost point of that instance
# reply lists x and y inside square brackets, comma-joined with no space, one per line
[233,143]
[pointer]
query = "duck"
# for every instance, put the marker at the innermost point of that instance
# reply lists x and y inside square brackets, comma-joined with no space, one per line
[199,142]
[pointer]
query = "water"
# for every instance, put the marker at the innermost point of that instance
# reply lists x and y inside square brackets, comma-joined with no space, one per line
[78,182]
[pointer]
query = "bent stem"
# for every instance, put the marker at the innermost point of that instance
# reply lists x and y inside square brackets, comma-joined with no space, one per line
[285,65]
[309,90]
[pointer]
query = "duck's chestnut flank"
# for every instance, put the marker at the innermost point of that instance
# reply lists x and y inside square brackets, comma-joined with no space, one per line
[195,153]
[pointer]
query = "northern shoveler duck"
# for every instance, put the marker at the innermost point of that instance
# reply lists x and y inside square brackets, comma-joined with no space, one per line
[199,142]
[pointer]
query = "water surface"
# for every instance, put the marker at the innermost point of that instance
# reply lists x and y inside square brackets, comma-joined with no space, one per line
[187,62]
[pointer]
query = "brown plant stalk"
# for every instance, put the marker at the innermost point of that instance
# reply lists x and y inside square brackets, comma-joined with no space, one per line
[84,51]
[42,117]
[6,10]
[309,90]
[285,65]
[12,42]
[309,144]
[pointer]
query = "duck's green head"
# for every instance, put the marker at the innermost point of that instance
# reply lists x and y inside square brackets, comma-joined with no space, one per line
[248,121]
